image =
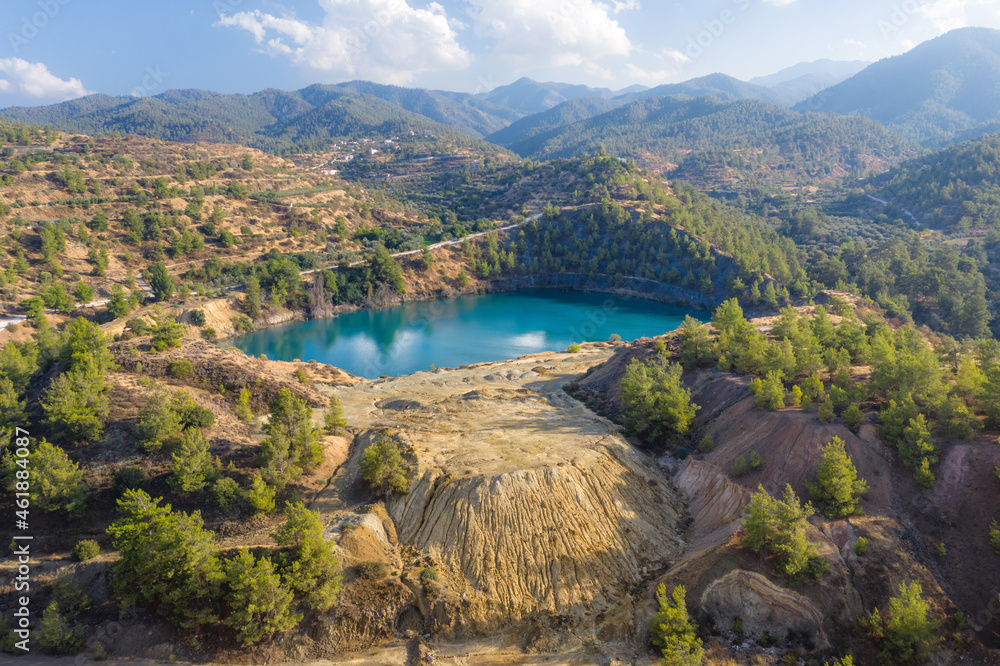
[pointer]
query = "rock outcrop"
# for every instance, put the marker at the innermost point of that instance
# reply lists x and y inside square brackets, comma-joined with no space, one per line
[761,607]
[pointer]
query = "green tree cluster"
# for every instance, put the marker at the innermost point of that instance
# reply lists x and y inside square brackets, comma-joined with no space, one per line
[780,526]
[658,407]
[292,445]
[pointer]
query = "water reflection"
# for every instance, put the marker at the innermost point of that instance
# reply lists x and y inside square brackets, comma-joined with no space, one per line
[468,329]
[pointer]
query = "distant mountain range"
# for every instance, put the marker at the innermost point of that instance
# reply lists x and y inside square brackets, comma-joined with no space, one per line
[272,120]
[944,89]
[746,136]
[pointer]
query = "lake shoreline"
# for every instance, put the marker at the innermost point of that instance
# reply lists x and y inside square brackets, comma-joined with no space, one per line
[485,325]
[658,292]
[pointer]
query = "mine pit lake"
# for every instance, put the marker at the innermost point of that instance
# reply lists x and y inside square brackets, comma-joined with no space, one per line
[464,330]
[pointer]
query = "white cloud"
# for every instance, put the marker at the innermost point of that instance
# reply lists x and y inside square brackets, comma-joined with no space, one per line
[675,55]
[627,5]
[650,77]
[387,40]
[950,14]
[32,82]
[545,33]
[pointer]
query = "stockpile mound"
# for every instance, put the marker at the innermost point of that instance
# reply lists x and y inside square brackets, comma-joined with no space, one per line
[526,499]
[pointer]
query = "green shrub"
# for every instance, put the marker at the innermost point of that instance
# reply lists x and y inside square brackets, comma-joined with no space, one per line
[862,546]
[941,552]
[242,324]
[706,444]
[198,318]
[129,478]
[85,550]
[995,536]
[853,418]
[243,410]
[573,348]
[193,416]
[180,369]
[429,573]
[740,467]
[826,413]
[756,461]
[225,493]
[209,333]
[371,570]
[382,466]
[260,496]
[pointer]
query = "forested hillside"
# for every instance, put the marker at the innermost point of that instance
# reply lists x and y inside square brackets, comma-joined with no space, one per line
[957,187]
[750,142]
[931,94]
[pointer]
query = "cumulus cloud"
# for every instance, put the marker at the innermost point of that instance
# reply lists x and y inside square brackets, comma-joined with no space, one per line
[387,40]
[33,83]
[551,32]
[950,14]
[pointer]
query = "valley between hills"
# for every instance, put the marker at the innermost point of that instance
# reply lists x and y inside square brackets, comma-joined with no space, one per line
[800,468]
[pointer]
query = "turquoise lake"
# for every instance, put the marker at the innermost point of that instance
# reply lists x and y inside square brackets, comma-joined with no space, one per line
[460,331]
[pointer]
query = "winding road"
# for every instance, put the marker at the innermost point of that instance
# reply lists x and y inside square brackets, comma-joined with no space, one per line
[236,287]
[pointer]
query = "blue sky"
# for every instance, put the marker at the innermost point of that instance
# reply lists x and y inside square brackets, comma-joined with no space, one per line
[53,50]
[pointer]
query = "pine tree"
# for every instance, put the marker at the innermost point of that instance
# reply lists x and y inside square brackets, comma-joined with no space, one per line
[168,560]
[310,563]
[382,466]
[11,406]
[780,526]
[334,418]
[853,417]
[658,407]
[166,332]
[696,346]
[57,482]
[260,495]
[191,463]
[907,633]
[161,282]
[838,490]
[260,602]
[825,413]
[243,410]
[75,405]
[252,300]
[84,344]
[771,393]
[119,305]
[917,444]
[672,631]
